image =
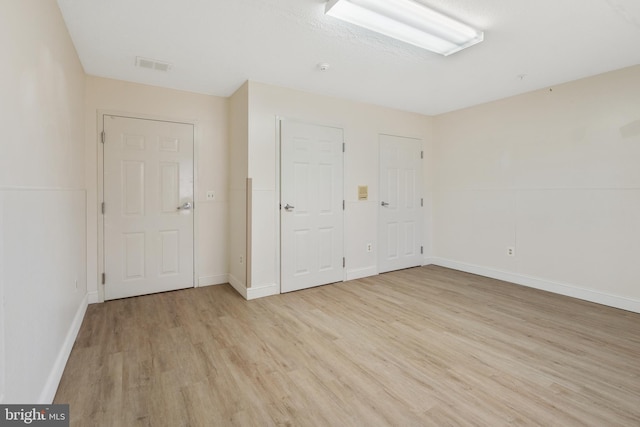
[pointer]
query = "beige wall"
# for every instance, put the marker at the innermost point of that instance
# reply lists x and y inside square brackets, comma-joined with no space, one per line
[238,173]
[210,115]
[553,173]
[42,199]
[362,123]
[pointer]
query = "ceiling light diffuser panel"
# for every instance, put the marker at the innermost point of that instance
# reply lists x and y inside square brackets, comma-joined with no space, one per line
[407,21]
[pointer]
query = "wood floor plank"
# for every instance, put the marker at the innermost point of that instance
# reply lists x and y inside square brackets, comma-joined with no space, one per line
[417,347]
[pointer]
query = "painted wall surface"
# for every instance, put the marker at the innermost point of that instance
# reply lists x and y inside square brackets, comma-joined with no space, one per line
[238,173]
[554,174]
[210,114]
[42,200]
[362,123]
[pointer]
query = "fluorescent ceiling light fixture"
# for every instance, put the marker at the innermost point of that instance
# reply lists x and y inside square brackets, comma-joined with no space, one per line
[407,21]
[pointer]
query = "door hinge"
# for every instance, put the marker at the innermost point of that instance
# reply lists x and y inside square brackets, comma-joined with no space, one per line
[421,202]
[344,262]
[104,278]
[421,249]
[422,154]
[342,204]
[344,147]
[102,208]
[103,137]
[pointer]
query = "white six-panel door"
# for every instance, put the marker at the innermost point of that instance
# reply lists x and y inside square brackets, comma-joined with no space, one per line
[311,214]
[148,216]
[400,219]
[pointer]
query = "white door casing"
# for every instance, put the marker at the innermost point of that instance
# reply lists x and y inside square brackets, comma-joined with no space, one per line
[311,211]
[401,216]
[148,201]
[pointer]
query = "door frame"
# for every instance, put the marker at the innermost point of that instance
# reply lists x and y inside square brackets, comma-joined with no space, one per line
[100,190]
[278,124]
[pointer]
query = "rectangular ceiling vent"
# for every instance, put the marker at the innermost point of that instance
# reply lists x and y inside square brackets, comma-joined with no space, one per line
[152,64]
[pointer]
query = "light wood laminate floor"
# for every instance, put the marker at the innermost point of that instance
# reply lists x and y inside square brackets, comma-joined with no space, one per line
[418,347]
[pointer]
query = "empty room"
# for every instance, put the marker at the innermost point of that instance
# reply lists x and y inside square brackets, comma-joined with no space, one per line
[320,213]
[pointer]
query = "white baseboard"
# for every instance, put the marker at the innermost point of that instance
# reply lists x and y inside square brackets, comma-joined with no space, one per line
[93,297]
[427,261]
[51,386]
[254,291]
[623,303]
[219,279]
[359,273]
[238,286]
[262,291]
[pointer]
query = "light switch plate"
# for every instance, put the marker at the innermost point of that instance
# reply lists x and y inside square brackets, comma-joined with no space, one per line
[363,192]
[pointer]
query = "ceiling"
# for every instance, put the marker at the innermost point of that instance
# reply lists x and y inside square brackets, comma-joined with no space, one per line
[216,45]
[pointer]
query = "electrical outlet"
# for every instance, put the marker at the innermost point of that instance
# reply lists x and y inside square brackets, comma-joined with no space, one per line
[241,259]
[511,251]
[211,195]
[369,247]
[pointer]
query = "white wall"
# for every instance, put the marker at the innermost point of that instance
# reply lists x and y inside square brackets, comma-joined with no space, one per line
[554,174]
[210,115]
[362,123]
[42,200]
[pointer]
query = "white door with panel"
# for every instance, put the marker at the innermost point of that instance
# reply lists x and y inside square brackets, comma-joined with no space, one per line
[311,210]
[148,202]
[401,214]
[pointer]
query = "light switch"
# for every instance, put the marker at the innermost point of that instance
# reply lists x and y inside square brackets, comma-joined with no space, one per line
[363,192]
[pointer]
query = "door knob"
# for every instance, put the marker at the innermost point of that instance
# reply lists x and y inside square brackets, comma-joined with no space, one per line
[384,204]
[289,208]
[185,206]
